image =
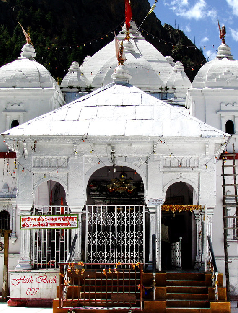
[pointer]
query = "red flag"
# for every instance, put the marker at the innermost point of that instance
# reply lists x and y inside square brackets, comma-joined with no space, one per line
[128,13]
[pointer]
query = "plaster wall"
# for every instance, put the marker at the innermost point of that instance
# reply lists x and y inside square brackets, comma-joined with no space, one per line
[72,164]
[12,262]
[24,104]
[7,178]
[214,106]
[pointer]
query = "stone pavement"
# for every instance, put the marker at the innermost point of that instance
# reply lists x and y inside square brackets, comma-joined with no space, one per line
[4,308]
[234,308]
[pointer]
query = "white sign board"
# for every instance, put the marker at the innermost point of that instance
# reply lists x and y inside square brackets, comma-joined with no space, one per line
[49,221]
[155,202]
[34,284]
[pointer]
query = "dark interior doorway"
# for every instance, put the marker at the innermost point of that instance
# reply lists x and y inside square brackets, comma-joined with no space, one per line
[180,228]
[179,225]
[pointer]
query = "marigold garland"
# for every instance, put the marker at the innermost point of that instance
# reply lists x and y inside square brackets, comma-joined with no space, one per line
[180,208]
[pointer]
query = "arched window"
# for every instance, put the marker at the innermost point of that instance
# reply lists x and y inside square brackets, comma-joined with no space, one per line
[4,220]
[14,123]
[229,127]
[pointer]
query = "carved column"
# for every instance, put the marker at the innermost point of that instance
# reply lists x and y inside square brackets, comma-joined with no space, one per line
[13,221]
[77,255]
[158,237]
[208,222]
[199,216]
[210,212]
[24,263]
[152,229]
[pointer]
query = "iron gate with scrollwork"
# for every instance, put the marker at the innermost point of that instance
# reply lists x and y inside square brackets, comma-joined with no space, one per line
[115,233]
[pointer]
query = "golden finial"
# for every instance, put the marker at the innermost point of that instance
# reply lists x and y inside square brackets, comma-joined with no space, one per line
[222,33]
[27,36]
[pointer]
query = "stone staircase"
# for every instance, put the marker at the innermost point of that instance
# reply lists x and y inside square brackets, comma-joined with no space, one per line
[171,292]
[178,292]
[186,292]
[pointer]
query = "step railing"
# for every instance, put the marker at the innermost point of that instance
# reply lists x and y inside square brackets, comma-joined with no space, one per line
[213,267]
[100,285]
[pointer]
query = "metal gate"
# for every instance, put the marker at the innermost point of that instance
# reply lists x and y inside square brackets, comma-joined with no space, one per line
[50,246]
[115,233]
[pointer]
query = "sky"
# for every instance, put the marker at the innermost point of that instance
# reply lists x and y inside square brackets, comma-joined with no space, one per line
[198,19]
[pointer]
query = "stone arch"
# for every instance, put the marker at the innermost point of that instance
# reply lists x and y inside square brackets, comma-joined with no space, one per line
[179,193]
[182,180]
[100,165]
[50,245]
[115,185]
[50,192]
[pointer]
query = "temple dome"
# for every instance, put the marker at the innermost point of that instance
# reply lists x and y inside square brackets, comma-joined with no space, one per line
[142,60]
[27,90]
[222,72]
[25,72]
[75,78]
[178,82]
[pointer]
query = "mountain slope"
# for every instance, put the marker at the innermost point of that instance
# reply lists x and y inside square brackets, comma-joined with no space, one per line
[63,31]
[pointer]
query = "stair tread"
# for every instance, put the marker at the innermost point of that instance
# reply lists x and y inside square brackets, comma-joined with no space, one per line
[179,308]
[187,300]
[192,310]
[185,293]
[168,280]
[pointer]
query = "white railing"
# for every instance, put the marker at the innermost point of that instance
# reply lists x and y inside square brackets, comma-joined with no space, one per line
[50,246]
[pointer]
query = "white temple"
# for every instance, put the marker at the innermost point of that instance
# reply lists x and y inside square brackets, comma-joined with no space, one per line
[144,145]
[27,90]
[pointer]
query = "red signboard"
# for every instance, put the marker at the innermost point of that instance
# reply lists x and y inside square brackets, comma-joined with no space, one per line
[49,221]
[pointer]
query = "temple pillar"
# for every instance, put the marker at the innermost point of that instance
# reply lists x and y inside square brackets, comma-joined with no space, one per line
[152,214]
[77,256]
[158,237]
[24,263]
[199,217]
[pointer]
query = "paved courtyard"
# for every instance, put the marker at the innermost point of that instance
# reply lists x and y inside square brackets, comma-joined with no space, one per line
[4,308]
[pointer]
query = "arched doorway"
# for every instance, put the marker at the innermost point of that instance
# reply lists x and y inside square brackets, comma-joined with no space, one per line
[115,185]
[50,246]
[115,214]
[229,127]
[178,228]
[4,220]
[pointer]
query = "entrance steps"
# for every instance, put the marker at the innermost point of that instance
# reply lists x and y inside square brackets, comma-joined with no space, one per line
[170,292]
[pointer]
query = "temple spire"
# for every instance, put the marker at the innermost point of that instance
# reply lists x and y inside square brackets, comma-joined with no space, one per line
[27,36]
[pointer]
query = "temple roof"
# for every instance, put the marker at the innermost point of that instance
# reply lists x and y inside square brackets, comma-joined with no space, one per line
[118,109]
[142,59]
[222,72]
[74,77]
[25,72]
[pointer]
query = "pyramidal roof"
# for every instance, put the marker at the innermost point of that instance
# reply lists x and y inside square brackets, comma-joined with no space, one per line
[118,109]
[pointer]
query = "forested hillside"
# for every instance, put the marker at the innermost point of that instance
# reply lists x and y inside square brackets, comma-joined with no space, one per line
[63,31]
